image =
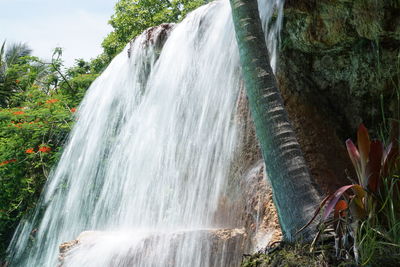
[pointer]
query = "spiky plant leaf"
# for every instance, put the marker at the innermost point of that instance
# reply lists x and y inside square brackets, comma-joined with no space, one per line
[364,143]
[374,165]
[354,156]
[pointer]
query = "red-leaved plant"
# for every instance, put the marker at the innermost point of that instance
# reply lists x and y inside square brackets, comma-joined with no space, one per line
[353,203]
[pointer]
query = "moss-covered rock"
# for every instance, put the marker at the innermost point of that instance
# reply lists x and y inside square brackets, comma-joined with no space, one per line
[339,66]
[343,56]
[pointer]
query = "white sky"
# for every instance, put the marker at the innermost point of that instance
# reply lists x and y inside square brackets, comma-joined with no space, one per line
[78,26]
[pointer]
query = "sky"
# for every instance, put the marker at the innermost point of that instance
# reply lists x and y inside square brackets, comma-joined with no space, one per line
[78,26]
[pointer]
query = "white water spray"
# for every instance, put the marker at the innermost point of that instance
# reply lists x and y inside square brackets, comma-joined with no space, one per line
[150,155]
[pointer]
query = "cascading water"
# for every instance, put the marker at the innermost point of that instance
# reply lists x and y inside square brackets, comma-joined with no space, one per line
[150,155]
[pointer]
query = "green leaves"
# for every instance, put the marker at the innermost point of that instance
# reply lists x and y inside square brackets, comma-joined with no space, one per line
[13,61]
[34,124]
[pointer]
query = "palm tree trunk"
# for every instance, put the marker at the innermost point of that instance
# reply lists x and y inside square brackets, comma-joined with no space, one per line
[295,196]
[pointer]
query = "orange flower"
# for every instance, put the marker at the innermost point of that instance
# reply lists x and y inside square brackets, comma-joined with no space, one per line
[30,151]
[17,81]
[7,162]
[73,110]
[340,209]
[18,125]
[45,149]
[18,112]
[51,101]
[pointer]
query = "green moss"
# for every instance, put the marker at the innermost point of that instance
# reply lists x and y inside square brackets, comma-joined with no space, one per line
[340,22]
[295,255]
[368,18]
[342,56]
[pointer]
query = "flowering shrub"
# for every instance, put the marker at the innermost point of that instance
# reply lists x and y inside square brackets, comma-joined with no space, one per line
[30,151]
[52,101]
[7,162]
[30,141]
[33,129]
[44,149]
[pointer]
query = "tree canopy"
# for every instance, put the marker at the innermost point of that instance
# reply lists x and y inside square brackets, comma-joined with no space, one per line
[11,67]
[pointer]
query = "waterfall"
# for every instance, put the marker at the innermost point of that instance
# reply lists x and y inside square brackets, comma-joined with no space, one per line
[150,155]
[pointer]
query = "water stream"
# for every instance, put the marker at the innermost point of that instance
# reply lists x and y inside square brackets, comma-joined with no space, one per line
[150,154]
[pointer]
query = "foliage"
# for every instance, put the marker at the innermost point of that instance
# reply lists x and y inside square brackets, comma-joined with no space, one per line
[368,211]
[11,68]
[34,122]
[294,255]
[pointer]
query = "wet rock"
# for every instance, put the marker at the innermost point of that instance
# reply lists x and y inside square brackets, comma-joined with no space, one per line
[152,42]
[218,247]
[259,213]
[65,247]
[251,208]
[155,36]
[248,202]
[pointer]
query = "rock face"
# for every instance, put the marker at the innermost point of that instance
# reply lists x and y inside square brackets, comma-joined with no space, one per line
[155,36]
[341,55]
[248,203]
[259,213]
[252,208]
[222,247]
[336,69]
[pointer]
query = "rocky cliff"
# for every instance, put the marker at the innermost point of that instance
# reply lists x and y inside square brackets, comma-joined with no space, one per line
[338,67]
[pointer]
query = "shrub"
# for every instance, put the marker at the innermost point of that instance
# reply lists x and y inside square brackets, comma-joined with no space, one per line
[364,216]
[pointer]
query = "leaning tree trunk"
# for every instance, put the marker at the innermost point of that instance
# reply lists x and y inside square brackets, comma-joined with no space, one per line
[294,194]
